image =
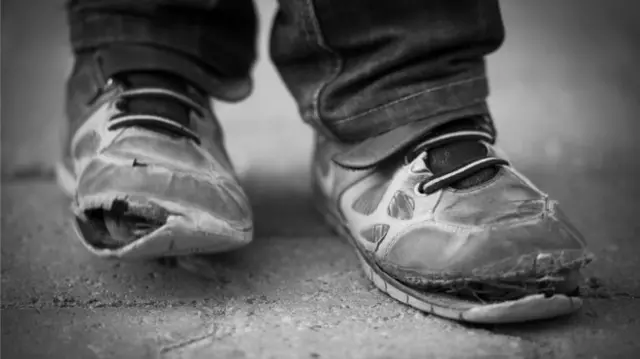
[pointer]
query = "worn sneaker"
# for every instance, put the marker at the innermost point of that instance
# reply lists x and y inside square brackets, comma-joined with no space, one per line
[450,228]
[146,167]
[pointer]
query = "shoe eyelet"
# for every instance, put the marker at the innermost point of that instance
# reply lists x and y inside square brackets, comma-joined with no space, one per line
[417,189]
[412,164]
[194,117]
[119,104]
[406,160]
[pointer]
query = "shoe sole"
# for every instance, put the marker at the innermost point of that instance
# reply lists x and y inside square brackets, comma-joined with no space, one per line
[156,246]
[528,308]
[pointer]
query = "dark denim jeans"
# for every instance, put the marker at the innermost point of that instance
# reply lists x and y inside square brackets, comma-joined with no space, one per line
[357,68]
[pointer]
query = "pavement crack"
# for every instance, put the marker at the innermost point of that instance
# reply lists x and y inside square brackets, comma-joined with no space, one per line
[595,288]
[210,334]
[610,295]
[61,302]
[93,303]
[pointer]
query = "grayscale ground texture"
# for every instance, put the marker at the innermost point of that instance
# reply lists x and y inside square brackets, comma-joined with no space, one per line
[565,95]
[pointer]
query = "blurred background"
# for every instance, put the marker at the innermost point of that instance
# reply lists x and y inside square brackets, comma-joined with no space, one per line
[565,89]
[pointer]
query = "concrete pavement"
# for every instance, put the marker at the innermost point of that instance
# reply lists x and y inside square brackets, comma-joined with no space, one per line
[297,292]
[565,98]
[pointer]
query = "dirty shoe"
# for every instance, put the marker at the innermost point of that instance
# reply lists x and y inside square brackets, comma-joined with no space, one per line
[147,170]
[450,228]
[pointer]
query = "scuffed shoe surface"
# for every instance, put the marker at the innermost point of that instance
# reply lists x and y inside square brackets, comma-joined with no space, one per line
[495,239]
[146,184]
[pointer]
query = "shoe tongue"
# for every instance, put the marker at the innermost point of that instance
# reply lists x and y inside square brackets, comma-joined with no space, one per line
[450,156]
[153,104]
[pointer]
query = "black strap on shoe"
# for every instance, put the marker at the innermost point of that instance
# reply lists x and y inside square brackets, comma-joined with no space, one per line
[458,173]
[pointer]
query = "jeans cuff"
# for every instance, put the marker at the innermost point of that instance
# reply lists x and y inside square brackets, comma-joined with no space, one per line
[430,107]
[127,44]
[126,58]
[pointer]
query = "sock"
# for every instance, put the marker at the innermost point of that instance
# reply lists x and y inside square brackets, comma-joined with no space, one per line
[447,157]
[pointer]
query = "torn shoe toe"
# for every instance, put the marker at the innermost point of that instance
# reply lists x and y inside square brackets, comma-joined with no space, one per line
[124,222]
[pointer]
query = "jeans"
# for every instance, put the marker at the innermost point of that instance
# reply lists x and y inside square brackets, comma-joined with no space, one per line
[358,69]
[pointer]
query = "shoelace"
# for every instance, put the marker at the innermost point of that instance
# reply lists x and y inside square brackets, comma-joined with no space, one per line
[154,121]
[449,178]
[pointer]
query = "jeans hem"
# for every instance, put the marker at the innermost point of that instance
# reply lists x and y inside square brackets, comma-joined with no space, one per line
[372,150]
[126,58]
[139,44]
[438,101]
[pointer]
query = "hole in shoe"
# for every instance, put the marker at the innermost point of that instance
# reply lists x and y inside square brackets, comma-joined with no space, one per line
[565,282]
[122,222]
